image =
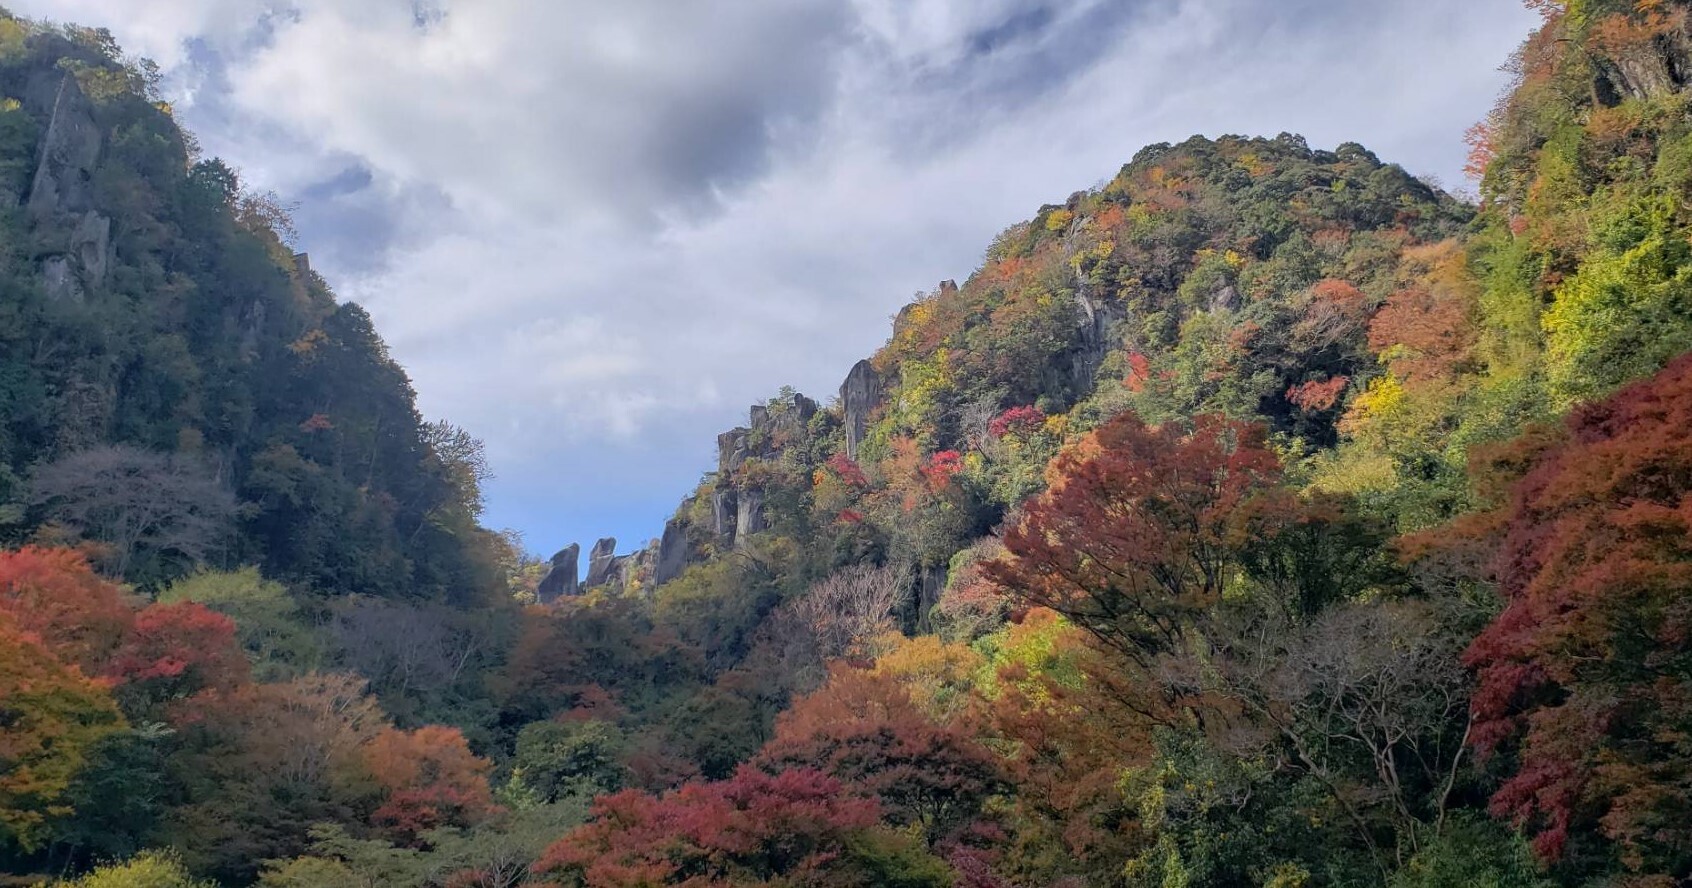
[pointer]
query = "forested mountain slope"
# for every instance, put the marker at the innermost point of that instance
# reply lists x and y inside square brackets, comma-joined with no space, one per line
[150,304]
[1265,516]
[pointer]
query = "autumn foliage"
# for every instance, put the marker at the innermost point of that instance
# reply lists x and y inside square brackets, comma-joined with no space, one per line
[51,714]
[794,827]
[1136,538]
[56,595]
[863,729]
[432,779]
[1586,677]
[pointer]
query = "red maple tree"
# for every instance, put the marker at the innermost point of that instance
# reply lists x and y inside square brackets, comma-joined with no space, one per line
[1585,678]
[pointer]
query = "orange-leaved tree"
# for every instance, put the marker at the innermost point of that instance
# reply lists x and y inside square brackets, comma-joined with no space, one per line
[50,714]
[863,729]
[431,777]
[55,594]
[151,655]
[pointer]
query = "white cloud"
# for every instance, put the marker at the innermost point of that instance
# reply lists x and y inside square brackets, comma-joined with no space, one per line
[593,232]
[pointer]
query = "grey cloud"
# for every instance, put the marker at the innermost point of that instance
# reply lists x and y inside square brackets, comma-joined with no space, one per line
[619,109]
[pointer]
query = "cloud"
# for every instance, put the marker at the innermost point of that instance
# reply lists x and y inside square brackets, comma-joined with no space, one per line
[547,111]
[595,232]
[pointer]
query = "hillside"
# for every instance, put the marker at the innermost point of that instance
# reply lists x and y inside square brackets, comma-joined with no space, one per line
[151,304]
[1264,516]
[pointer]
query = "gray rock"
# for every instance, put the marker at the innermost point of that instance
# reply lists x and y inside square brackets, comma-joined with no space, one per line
[731,453]
[1094,319]
[931,582]
[786,425]
[252,324]
[560,581]
[601,561]
[59,280]
[82,268]
[749,516]
[1658,68]
[737,511]
[859,395]
[903,318]
[64,179]
[723,510]
[631,570]
[672,552]
[61,198]
[91,244]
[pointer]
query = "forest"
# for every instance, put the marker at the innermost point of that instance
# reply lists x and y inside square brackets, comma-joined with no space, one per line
[1264,516]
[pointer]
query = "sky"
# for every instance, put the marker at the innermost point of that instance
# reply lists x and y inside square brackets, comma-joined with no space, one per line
[594,233]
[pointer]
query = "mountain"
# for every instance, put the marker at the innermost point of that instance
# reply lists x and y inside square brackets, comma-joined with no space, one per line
[1235,276]
[1264,516]
[152,307]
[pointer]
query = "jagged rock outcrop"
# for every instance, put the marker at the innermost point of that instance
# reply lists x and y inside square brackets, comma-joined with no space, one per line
[723,510]
[560,581]
[946,288]
[1094,319]
[736,504]
[749,516]
[860,394]
[64,179]
[627,571]
[672,552]
[601,560]
[1644,69]
[61,199]
[930,583]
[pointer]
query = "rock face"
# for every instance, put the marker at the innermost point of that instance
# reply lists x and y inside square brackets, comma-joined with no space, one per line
[931,582]
[723,510]
[859,395]
[749,516]
[1647,69]
[737,505]
[560,581]
[601,561]
[1094,319]
[631,569]
[672,552]
[78,244]
[64,180]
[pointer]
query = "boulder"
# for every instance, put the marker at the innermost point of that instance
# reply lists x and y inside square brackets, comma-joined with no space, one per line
[731,452]
[91,245]
[631,570]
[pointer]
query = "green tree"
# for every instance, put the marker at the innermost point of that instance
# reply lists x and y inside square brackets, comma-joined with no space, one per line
[270,624]
[147,870]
